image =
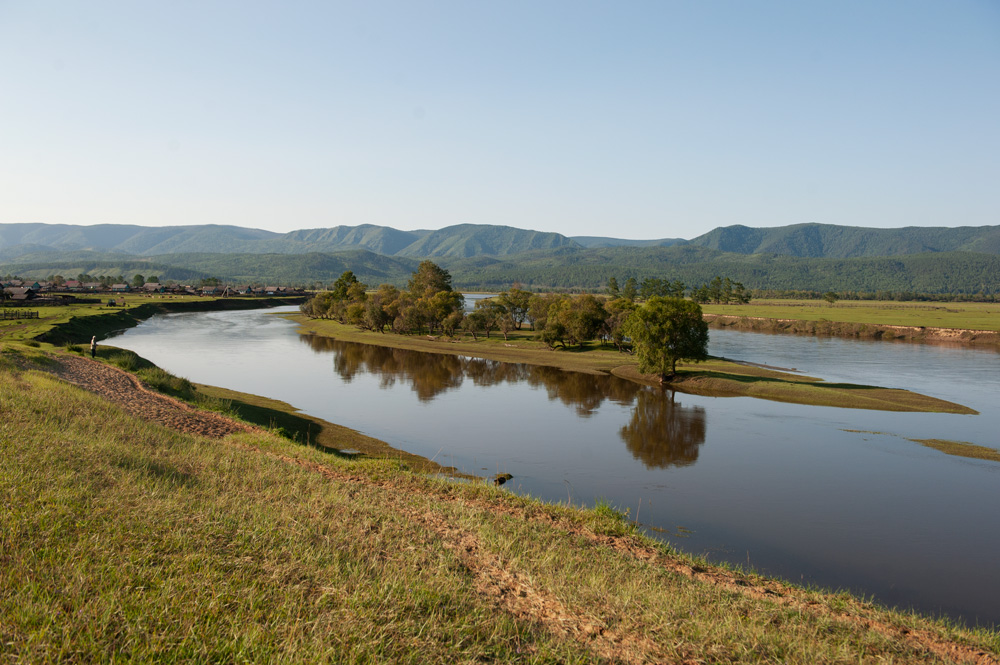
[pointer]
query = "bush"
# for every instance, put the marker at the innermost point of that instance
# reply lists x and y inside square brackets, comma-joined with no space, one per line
[165,382]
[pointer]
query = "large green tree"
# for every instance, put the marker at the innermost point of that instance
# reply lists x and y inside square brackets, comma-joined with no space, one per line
[666,330]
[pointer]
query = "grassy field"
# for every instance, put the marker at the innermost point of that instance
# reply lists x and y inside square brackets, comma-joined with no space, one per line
[123,541]
[718,377]
[965,316]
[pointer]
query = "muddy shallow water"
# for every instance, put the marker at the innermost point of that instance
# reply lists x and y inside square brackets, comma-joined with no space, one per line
[832,497]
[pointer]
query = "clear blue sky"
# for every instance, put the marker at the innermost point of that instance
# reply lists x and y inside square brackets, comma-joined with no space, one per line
[627,119]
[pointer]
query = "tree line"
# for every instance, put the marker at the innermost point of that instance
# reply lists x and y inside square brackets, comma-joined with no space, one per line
[718,290]
[663,330]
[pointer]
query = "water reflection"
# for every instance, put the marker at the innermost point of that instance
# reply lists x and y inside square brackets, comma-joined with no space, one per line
[661,432]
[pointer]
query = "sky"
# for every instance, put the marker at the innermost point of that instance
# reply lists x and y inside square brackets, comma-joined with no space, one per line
[628,119]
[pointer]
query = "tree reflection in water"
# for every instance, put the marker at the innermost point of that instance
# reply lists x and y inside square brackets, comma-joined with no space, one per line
[661,432]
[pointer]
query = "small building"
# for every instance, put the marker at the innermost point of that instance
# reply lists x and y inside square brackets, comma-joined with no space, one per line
[153,287]
[120,288]
[20,293]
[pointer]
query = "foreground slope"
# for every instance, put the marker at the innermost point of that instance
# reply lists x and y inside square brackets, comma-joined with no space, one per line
[125,540]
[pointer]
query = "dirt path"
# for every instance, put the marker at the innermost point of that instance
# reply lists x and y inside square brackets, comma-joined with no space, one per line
[125,390]
[510,591]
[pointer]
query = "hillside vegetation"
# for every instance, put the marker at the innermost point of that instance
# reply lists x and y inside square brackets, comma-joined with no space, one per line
[806,257]
[467,240]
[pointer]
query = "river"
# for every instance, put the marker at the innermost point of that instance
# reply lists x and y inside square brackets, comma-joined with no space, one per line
[837,498]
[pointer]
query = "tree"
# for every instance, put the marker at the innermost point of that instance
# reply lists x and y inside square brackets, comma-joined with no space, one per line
[517,301]
[343,283]
[428,279]
[613,287]
[831,297]
[664,331]
[631,290]
[492,312]
[538,309]
[619,310]
[138,281]
[474,322]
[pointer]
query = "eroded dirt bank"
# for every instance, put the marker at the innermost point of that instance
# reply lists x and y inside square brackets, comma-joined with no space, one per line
[855,330]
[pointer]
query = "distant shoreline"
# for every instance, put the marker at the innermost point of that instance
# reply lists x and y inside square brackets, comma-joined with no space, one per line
[871,331]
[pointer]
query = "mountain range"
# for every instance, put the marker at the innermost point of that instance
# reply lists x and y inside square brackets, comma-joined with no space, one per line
[471,240]
[801,256]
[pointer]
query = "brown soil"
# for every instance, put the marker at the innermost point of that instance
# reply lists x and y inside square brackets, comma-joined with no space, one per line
[509,590]
[125,390]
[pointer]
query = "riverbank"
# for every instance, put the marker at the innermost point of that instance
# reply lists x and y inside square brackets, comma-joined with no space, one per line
[126,540]
[717,377]
[949,323]
[76,324]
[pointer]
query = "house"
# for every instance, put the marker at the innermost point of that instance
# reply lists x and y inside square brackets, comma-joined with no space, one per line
[19,293]
[210,290]
[153,287]
[120,288]
[73,285]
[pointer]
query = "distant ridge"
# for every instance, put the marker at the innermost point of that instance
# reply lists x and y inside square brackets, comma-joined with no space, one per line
[591,242]
[841,242]
[471,240]
[463,240]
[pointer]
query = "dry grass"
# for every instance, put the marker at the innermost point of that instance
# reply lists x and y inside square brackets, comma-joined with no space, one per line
[961,449]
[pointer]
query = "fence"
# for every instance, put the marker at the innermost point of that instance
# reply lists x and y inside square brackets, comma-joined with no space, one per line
[6,314]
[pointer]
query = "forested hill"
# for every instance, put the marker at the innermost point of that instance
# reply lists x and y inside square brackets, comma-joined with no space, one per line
[566,268]
[463,240]
[841,242]
[477,240]
[803,257]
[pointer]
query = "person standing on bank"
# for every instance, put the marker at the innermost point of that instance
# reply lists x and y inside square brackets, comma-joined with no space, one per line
[93,346]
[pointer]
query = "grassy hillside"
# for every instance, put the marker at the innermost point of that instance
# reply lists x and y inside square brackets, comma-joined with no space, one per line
[124,541]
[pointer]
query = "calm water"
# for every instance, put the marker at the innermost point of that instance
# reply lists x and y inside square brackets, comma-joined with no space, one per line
[787,488]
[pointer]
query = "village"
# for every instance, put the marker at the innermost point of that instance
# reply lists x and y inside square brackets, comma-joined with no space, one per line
[25,291]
